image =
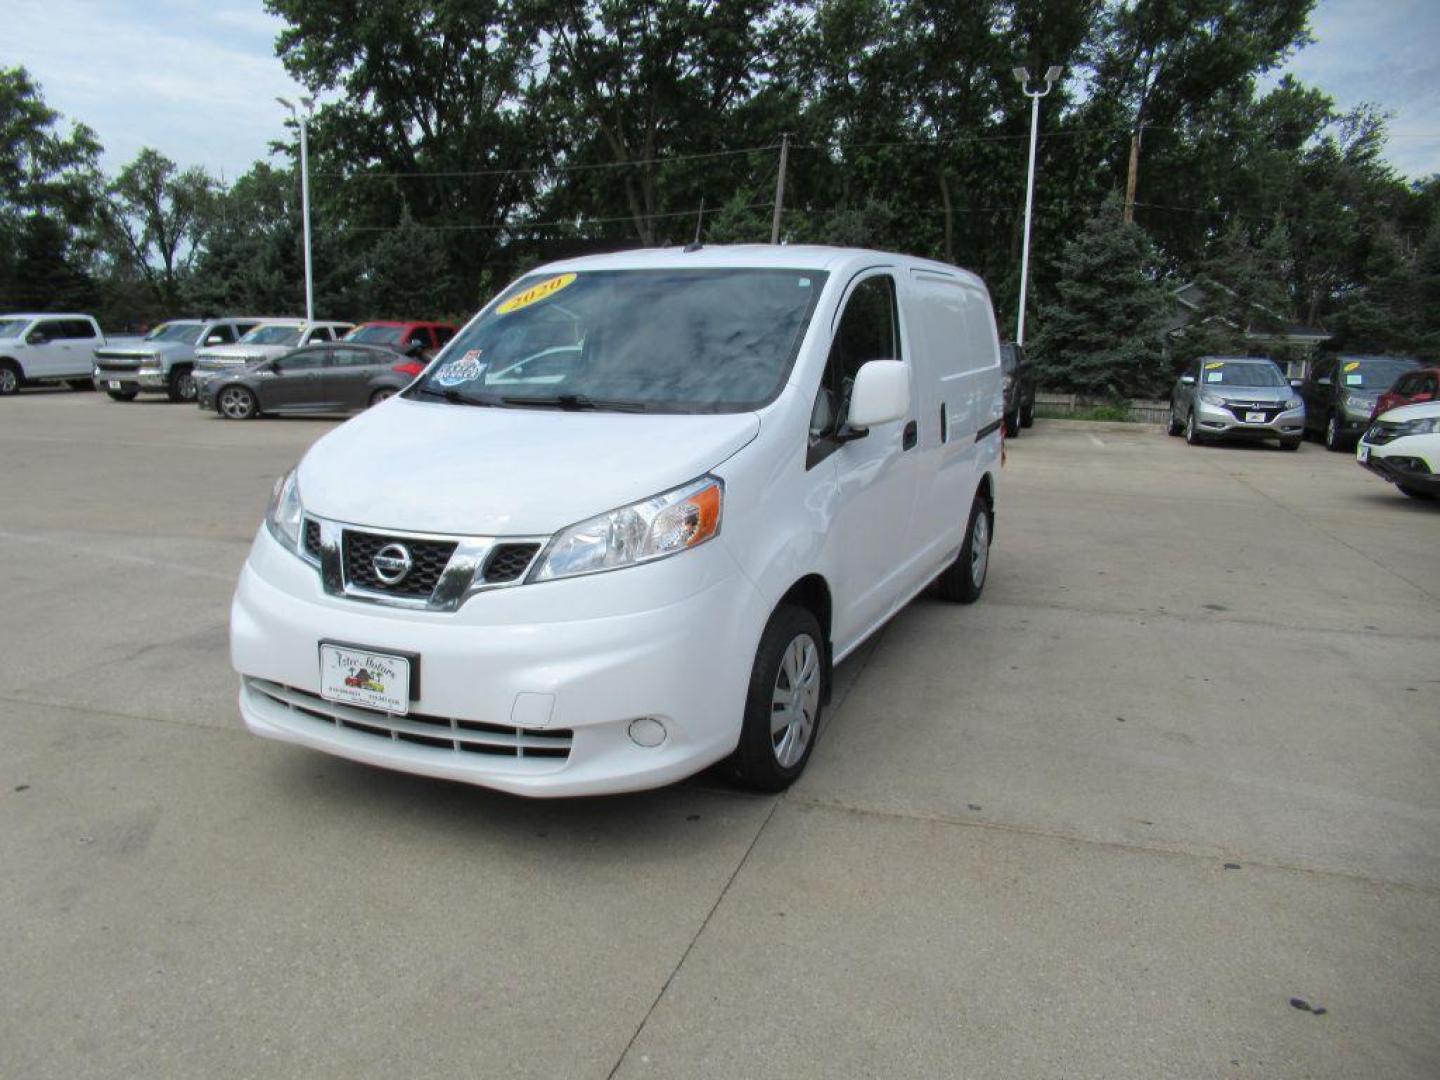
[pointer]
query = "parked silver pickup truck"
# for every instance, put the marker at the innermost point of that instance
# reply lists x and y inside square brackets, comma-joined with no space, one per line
[164,360]
[49,347]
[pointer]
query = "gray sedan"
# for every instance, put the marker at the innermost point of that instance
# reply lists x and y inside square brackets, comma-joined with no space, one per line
[1236,397]
[315,379]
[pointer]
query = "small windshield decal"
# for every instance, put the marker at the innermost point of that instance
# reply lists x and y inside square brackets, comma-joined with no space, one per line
[1354,380]
[535,294]
[1214,376]
[466,369]
[1352,365]
[1214,364]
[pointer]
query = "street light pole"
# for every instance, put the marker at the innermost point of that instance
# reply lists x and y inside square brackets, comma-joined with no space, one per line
[302,118]
[1052,75]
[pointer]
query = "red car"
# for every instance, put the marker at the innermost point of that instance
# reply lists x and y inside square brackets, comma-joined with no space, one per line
[403,336]
[1412,388]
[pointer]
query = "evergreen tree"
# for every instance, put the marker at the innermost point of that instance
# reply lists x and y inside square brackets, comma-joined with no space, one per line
[1101,334]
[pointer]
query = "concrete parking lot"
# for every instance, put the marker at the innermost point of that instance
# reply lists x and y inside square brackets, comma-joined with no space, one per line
[1178,767]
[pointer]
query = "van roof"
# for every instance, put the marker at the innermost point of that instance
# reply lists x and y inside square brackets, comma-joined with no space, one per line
[759,256]
[47,315]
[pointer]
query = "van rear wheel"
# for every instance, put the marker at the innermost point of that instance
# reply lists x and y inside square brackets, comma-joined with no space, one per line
[782,708]
[9,378]
[964,579]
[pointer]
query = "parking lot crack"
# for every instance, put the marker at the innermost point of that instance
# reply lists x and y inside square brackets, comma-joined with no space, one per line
[841,806]
[740,865]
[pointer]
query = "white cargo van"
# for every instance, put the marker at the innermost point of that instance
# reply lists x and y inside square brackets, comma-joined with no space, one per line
[625,523]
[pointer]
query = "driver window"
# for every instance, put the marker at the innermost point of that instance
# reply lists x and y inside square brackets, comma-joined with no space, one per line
[868,330]
[302,360]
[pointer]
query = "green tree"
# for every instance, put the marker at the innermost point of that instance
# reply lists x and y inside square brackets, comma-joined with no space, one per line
[154,220]
[48,192]
[1100,334]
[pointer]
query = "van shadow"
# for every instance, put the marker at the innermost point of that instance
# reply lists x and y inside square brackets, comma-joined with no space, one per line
[699,812]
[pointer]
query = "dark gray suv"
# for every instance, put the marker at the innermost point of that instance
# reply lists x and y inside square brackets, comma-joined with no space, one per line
[339,377]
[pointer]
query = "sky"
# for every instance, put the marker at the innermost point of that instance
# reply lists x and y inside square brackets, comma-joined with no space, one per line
[198,80]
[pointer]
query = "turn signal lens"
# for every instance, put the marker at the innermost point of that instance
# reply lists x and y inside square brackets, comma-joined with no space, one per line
[654,528]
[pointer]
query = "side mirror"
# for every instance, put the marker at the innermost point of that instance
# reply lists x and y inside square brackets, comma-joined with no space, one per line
[36,337]
[1297,383]
[1322,382]
[215,339]
[1187,380]
[881,394]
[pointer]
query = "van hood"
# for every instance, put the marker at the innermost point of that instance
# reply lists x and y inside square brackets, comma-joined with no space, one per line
[432,467]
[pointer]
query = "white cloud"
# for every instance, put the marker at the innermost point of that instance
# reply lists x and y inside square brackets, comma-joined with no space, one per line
[1383,54]
[201,90]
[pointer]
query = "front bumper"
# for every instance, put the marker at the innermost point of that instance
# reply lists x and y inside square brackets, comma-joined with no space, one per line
[128,379]
[1219,422]
[586,656]
[1393,464]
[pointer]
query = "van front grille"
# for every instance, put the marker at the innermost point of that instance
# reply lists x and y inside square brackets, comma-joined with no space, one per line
[442,734]
[508,562]
[428,561]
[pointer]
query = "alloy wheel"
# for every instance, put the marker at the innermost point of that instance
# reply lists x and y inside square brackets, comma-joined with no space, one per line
[236,403]
[980,549]
[795,701]
[185,386]
[9,383]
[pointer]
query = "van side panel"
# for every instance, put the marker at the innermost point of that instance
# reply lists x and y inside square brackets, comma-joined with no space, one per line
[954,327]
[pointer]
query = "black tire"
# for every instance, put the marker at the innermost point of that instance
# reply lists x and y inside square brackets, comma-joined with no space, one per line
[237,403]
[1414,493]
[964,580]
[1012,424]
[11,378]
[1334,434]
[1173,428]
[1192,432]
[80,384]
[1027,415]
[123,395]
[1290,444]
[383,394]
[756,762]
[182,384]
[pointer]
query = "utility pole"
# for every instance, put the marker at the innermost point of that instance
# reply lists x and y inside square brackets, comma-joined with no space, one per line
[1132,178]
[780,189]
[1052,75]
[303,118]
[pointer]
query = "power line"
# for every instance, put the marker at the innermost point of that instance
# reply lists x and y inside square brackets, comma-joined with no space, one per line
[538,169]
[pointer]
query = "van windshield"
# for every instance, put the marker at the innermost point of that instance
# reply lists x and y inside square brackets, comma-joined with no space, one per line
[687,341]
[12,327]
[376,335]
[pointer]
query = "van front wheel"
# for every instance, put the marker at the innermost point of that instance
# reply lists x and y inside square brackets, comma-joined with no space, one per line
[782,708]
[964,579]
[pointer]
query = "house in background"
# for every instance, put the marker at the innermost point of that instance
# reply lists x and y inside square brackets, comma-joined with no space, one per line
[1291,344]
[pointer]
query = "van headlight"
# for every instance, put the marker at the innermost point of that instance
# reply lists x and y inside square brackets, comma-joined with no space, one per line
[286,514]
[654,528]
[1209,397]
[1293,403]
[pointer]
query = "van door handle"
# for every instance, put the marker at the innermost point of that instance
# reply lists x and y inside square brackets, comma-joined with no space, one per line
[911,436]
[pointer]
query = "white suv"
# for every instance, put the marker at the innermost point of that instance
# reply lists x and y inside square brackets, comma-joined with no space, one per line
[1403,447]
[622,527]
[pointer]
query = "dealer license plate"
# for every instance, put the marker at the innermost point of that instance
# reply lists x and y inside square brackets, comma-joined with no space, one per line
[112,385]
[369,679]
[1363,454]
[1254,418]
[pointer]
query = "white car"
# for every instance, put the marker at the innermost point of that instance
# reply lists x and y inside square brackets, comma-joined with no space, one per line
[1403,447]
[646,555]
[272,338]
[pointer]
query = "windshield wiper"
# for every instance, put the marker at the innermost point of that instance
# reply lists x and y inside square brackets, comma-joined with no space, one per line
[575,403]
[454,397]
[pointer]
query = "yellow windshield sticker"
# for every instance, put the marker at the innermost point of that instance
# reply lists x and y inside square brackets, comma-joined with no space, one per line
[1353,365]
[1214,364]
[535,293]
